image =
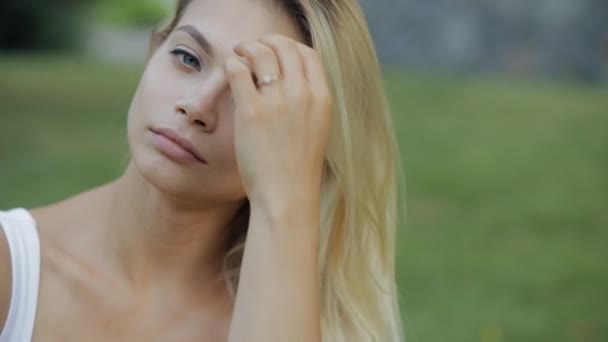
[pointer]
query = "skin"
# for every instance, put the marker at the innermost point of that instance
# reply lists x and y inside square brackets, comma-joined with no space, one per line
[139,259]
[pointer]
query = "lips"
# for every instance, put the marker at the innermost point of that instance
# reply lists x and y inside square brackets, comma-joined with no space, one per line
[183,149]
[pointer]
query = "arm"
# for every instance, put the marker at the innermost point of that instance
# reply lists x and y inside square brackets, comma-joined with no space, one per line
[5,279]
[278,296]
[281,134]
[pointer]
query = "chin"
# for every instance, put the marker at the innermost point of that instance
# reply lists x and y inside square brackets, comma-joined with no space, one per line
[166,175]
[169,179]
[182,181]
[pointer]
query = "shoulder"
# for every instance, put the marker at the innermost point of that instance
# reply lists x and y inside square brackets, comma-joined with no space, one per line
[5,278]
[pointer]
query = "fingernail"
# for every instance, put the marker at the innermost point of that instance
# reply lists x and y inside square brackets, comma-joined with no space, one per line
[236,42]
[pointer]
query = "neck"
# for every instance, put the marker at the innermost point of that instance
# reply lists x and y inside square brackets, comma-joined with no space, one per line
[156,238]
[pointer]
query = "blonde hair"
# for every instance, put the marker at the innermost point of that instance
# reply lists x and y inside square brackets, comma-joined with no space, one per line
[359,297]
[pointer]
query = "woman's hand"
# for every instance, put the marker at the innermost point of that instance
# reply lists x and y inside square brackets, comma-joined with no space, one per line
[282,127]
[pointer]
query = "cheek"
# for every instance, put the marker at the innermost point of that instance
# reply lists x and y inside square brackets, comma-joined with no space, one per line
[133,118]
[157,82]
[226,110]
[155,91]
[153,96]
[225,135]
[225,152]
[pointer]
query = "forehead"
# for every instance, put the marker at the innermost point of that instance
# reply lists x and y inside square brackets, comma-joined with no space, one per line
[223,22]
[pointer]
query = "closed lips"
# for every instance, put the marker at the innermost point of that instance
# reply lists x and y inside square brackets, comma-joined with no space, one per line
[180,141]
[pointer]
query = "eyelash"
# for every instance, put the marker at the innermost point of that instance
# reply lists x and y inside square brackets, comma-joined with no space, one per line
[180,52]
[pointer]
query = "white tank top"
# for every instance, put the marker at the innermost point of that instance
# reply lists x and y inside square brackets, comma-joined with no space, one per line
[24,246]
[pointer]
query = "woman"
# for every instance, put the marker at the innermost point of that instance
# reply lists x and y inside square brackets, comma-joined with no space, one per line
[258,205]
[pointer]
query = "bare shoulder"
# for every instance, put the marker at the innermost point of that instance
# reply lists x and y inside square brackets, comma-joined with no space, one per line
[5,278]
[62,220]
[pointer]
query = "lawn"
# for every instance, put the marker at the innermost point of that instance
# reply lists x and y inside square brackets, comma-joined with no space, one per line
[507,189]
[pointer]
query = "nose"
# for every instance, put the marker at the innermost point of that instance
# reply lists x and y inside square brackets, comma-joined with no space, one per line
[199,104]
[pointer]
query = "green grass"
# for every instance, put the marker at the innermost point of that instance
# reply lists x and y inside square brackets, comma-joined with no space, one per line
[507,189]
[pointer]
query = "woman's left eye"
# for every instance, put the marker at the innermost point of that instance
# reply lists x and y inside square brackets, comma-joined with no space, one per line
[187,59]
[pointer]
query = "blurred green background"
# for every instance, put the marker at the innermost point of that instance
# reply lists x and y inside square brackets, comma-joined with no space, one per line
[507,176]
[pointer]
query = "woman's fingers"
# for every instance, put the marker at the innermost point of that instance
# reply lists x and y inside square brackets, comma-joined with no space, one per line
[261,57]
[302,83]
[239,76]
[315,74]
[290,59]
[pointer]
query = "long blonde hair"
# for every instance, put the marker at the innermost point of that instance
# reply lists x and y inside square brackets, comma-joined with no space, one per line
[359,297]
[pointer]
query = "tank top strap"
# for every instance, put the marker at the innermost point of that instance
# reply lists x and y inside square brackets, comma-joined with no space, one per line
[24,247]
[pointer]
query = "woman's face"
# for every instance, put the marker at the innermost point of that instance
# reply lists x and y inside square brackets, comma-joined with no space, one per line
[184,94]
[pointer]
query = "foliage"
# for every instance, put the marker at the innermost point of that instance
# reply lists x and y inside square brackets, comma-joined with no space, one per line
[40,24]
[133,12]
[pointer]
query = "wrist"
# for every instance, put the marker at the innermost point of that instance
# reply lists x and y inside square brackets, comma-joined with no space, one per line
[283,212]
[278,199]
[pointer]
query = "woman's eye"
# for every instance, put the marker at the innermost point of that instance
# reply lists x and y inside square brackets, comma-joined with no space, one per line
[187,59]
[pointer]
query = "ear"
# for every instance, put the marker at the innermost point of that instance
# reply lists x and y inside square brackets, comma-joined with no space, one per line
[156,39]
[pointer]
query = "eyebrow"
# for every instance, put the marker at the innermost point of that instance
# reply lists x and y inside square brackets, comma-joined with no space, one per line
[198,37]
